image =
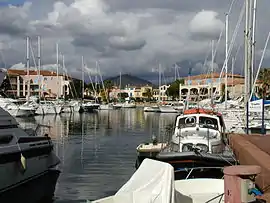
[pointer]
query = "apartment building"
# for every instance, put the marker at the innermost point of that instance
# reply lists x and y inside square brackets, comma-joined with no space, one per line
[50,84]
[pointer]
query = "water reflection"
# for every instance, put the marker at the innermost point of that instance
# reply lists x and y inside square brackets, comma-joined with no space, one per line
[98,150]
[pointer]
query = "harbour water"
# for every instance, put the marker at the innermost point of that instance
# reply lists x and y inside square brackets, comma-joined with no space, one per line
[98,150]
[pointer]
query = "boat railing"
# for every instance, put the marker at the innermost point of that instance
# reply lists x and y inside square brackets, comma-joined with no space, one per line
[34,132]
[191,170]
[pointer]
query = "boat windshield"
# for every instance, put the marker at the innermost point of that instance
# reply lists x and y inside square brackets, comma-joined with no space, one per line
[189,121]
[208,122]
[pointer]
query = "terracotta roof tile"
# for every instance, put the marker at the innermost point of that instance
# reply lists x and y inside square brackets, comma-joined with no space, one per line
[14,72]
[215,75]
[31,72]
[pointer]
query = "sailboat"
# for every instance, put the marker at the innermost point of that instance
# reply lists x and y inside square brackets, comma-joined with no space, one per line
[155,108]
[49,107]
[88,106]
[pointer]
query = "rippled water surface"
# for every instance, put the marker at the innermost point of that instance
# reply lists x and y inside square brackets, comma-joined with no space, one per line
[98,150]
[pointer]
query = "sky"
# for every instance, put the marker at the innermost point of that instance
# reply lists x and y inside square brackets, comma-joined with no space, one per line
[127,36]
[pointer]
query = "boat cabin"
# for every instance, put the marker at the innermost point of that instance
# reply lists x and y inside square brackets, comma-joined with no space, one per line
[198,129]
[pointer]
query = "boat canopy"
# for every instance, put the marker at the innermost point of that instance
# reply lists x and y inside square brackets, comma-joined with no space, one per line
[255,98]
[145,186]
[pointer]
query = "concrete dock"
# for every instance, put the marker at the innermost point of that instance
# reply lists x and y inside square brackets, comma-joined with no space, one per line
[254,149]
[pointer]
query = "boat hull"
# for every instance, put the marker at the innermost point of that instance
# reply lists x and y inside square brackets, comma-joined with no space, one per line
[186,160]
[151,109]
[43,185]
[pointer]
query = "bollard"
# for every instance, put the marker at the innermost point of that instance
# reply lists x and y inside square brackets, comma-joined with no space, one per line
[238,182]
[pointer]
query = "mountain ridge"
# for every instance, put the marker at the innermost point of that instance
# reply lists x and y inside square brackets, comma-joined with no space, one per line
[129,80]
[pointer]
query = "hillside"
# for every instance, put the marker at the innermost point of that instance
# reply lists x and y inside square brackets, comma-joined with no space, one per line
[129,80]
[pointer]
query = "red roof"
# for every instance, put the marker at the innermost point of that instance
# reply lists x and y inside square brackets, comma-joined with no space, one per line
[14,72]
[31,72]
[215,75]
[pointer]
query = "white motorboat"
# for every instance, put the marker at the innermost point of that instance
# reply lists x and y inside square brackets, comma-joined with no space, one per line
[117,106]
[106,107]
[24,158]
[168,109]
[161,187]
[89,106]
[179,106]
[72,106]
[48,107]
[151,109]
[16,110]
[129,104]
[199,129]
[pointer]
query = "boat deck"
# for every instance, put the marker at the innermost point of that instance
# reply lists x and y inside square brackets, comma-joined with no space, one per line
[254,149]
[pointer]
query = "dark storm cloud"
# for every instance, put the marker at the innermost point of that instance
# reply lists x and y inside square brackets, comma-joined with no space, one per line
[126,35]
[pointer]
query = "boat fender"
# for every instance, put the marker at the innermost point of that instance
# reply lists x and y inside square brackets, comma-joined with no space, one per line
[255,192]
[23,164]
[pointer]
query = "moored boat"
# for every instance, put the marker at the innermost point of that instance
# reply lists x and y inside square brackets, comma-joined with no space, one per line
[151,109]
[198,140]
[154,182]
[24,158]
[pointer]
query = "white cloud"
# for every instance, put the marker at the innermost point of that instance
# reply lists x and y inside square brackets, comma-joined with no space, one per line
[124,35]
[18,66]
[206,23]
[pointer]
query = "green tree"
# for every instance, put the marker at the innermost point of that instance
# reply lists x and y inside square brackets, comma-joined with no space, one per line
[264,77]
[76,87]
[148,93]
[5,85]
[108,84]
[173,90]
[122,95]
[108,87]
[103,95]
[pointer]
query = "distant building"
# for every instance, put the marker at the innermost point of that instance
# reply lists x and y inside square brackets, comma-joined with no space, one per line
[49,85]
[156,94]
[198,87]
[130,90]
[163,92]
[114,92]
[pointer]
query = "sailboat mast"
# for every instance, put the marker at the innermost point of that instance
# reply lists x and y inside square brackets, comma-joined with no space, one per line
[62,92]
[159,81]
[39,67]
[27,67]
[226,58]
[212,72]
[82,78]
[57,69]
[175,72]
[96,81]
[120,83]
[233,89]
[250,73]
[247,64]
[253,42]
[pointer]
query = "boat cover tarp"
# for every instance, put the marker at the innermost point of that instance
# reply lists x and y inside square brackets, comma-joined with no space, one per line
[254,150]
[211,158]
[152,182]
[255,98]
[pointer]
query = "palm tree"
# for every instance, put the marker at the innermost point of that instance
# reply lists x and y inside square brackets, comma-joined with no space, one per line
[264,77]
[108,87]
